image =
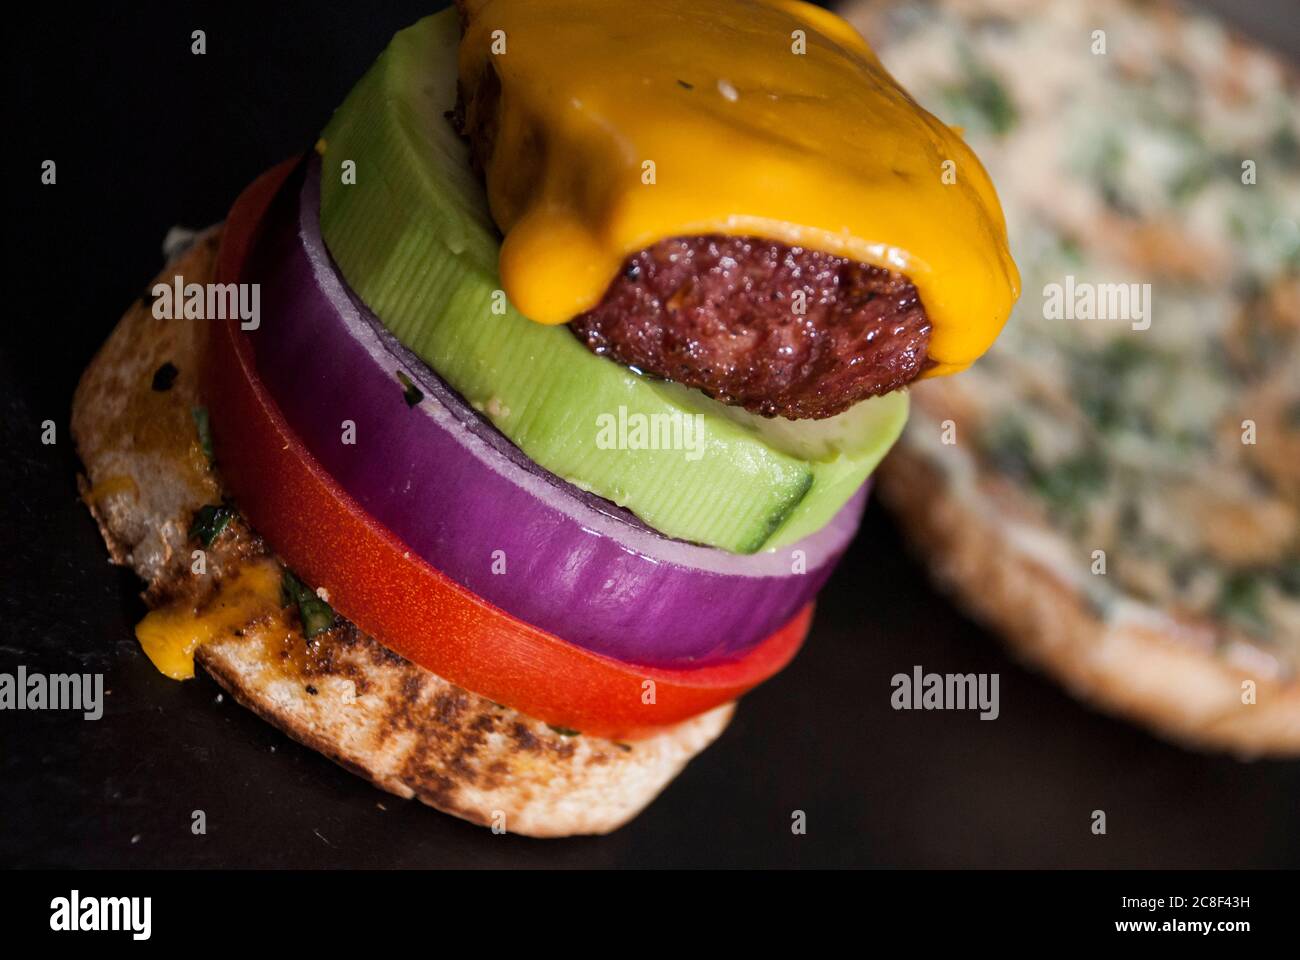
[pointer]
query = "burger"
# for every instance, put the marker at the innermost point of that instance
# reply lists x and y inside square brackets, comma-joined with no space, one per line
[497,445]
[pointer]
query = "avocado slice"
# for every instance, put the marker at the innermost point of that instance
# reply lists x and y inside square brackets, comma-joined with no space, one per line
[408,224]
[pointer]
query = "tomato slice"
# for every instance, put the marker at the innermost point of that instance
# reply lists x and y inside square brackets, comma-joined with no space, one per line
[401,600]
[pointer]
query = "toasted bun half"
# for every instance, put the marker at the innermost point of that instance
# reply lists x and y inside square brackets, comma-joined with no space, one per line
[405,729]
[1119,498]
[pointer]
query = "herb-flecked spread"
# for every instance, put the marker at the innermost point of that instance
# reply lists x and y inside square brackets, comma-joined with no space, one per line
[1132,166]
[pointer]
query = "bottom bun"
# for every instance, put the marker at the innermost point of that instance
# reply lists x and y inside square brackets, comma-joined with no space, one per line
[405,729]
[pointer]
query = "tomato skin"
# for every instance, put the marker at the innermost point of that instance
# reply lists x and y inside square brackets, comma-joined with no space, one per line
[401,600]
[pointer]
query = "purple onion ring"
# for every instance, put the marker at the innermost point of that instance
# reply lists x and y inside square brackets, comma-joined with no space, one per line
[464,498]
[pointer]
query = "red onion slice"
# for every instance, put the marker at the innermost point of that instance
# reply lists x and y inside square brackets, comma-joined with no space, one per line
[464,498]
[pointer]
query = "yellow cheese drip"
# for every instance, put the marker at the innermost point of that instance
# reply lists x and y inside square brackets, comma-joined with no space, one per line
[170,635]
[111,486]
[820,149]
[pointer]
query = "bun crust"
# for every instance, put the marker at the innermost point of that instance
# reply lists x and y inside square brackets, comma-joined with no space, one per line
[1145,673]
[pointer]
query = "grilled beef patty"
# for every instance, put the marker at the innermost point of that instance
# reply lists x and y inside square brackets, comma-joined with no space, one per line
[778,330]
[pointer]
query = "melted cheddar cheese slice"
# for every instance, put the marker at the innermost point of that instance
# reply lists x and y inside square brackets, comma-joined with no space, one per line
[625,122]
[170,635]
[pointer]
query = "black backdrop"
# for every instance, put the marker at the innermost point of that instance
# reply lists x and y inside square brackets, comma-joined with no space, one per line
[145,136]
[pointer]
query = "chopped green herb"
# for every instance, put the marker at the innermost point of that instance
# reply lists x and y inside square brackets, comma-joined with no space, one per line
[316,615]
[1237,226]
[209,522]
[1190,180]
[1103,162]
[200,415]
[164,377]
[990,97]
[1104,408]
[1124,355]
[1240,601]
[685,86]
[1066,484]
[565,731]
[1195,162]
[982,101]
[1285,146]
[409,390]
[1071,252]
[1098,381]
[1288,577]
[1008,447]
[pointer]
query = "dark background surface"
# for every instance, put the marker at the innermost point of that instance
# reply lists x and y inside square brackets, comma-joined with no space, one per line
[147,135]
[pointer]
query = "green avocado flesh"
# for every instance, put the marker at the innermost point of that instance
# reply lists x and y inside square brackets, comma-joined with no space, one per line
[414,238]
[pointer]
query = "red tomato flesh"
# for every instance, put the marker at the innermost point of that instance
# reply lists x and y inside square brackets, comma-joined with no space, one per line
[325,537]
